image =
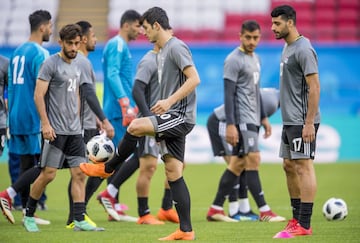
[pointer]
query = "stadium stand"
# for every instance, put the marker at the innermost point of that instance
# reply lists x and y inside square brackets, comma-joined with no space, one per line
[192,20]
[14,24]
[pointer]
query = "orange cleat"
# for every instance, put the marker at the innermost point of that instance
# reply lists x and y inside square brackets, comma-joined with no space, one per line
[168,215]
[149,219]
[96,170]
[180,235]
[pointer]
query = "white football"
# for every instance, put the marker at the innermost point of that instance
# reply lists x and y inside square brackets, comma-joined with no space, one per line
[335,209]
[100,149]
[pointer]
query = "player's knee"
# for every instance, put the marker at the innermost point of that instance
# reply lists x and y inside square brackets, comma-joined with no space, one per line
[288,166]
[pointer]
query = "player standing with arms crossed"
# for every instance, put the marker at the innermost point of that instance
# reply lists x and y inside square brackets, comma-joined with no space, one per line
[299,102]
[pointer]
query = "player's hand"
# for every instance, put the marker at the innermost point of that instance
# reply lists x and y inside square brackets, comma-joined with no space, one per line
[48,132]
[308,133]
[128,113]
[267,126]
[161,107]
[108,128]
[232,135]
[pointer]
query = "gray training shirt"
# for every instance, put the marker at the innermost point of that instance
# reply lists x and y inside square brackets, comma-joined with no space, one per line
[298,60]
[244,70]
[173,58]
[147,73]
[88,118]
[62,98]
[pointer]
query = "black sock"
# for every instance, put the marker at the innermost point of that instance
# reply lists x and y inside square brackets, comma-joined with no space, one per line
[143,207]
[92,184]
[22,184]
[227,181]
[79,211]
[167,200]
[71,205]
[295,204]
[181,197]
[31,207]
[125,148]
[305,214]
[254,185]
[126,170]
[234,194]
[243,189]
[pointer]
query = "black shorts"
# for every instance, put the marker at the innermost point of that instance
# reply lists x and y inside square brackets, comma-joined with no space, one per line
[89,133]
[292,145]
[170,131]
[217,131]
[65,147]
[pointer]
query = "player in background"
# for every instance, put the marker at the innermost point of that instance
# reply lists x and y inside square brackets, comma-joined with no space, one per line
[146,92]
[60,76]
[118,103]
[4,64]
[239,206]
[299,100]
[175,117]
[24,121]
[244,117]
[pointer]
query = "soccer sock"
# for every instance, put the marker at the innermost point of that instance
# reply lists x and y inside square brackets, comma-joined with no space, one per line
[12,193]
[126,170]
[79,211]
[234,194]
[181,197]
[71,204]
[167,200]
[295,204]
[92,184]
[27,178]
[305,214]
[254,185]
[233,208]
[243,185]
[31,207]
[112,190]
[143,207]
[227,181]
[244,205]
[125,148]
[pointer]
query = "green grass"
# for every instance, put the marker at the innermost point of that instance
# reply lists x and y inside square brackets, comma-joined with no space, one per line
[334,180]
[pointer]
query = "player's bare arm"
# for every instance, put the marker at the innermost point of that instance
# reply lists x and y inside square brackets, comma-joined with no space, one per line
[267,126]
[313,83]
[40,92]
[190,84]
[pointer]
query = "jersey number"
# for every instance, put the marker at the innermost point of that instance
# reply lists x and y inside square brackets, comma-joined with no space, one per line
[297,144]
[72,85]
[19,63]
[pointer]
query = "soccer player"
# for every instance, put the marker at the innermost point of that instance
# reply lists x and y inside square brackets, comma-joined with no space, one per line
[24,121]
[60,76]
[4,64]
[175,117]
[243,119]
[299,100]
[239,206]
[118,103]
[146,92]
[89,121]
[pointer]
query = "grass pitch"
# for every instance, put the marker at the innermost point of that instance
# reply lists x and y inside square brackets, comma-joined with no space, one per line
[334,180]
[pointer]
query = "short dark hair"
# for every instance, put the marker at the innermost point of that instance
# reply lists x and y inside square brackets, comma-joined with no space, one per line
[156,14]
[285,11]
[250,25]
[85,26]
[70,32]
[38,18]
[129,16]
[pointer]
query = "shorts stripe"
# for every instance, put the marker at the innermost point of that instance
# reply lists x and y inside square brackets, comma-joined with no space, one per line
[170,124]
[307,149]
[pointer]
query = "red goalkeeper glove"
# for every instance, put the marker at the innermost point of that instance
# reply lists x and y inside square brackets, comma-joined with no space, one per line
[128,113]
